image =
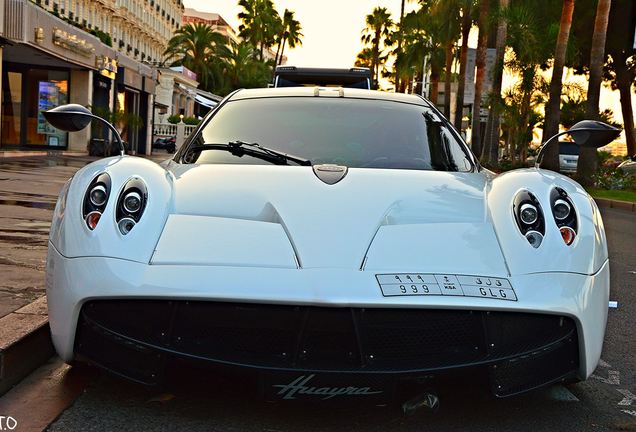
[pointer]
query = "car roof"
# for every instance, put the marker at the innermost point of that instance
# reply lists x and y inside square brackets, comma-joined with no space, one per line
[351,93]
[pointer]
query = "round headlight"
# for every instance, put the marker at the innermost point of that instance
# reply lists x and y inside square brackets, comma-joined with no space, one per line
[534,238]
[98,196]
[132,202]
[528,214]
[125,225]
[561,209]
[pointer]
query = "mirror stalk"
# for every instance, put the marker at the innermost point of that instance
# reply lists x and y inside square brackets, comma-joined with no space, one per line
[122,150]
[537,162]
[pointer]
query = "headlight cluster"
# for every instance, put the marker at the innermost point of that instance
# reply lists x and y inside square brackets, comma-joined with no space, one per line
[95,200]
[564,215]
[131,204]
[529,217]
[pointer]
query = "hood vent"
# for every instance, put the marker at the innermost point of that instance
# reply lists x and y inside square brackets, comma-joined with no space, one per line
[330,174]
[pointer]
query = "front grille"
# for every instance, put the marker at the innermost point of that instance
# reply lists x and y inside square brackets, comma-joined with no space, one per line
[327,339]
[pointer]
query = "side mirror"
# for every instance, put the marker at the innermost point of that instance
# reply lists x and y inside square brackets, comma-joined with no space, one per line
[74,118]
[586,133]
[592,133]
[69,118]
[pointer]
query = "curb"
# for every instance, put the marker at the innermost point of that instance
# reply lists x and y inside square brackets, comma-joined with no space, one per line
[621,205]
[25,343]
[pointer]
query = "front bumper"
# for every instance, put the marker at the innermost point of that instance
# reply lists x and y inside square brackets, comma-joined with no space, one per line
[564,300]
[517,351]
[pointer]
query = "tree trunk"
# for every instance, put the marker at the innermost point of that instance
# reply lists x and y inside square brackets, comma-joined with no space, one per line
[490,152]
[280,41]
[282,50]
[434,85]
[588,159]
[463,59]
[399,48]
[526,110]
[482,45]
[623,81]
[448,52]
[375,72]
[553,107]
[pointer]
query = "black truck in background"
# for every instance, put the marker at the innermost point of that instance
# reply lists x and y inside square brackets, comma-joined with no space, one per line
[292,76]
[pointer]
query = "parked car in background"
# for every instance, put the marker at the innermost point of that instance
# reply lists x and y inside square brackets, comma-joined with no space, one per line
[568,156]
[168,144]
[292,76]
[629,165]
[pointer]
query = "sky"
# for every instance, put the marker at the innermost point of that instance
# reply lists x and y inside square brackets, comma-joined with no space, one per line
[331,28]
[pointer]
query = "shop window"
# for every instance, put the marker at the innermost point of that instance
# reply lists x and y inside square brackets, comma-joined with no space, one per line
[46,89]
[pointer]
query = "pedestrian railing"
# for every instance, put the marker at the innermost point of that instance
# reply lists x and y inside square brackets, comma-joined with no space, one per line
[181,131]
[170,130]
[164,130]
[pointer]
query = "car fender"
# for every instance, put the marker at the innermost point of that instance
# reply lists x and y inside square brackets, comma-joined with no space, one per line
[588,252]
[71,236]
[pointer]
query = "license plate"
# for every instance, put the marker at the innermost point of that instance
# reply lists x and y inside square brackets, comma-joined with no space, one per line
[430,284]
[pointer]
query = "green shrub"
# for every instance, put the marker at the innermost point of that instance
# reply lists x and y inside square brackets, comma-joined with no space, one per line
[174,119]
[191,120]
[611,178]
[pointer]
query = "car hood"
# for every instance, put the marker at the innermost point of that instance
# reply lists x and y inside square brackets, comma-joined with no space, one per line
[374,219]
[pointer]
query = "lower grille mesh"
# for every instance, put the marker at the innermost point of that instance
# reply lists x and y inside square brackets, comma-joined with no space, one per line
[308,338]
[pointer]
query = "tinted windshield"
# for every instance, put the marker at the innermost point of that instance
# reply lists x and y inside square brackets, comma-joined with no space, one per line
[357,133]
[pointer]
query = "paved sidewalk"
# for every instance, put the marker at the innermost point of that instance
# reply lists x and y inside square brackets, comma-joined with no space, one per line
[29,186]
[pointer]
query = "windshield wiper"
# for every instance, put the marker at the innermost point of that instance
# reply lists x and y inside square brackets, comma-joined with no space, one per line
[239,148]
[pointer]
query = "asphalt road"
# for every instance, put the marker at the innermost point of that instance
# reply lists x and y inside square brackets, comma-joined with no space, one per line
[606,402]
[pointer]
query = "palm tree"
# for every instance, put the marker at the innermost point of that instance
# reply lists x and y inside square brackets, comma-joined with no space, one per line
[290,33]
[621,68]
[420,32]
[446,13]
[467,10]
[552,108]
[588,159]
[260,23]
[364,58]
[490,150]
[399,46]
[242,67]
[195,46]
[482,46]
[377,34]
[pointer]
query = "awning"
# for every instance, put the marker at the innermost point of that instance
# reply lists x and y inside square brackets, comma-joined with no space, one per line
[208,103]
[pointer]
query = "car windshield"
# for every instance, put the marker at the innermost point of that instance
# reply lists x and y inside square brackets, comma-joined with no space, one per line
[357,133]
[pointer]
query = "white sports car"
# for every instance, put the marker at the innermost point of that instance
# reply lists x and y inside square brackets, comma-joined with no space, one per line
[332,243]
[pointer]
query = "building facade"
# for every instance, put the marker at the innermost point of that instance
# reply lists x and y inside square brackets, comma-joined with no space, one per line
[214,20]
[96,53]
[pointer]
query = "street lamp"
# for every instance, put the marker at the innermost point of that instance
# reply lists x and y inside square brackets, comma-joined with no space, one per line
[586,133]
[74,117]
